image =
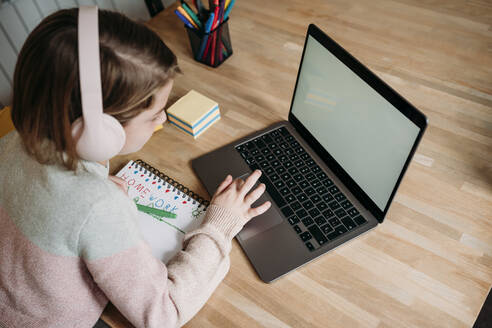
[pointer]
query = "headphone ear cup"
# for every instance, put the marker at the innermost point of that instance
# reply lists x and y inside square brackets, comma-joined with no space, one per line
[98,141]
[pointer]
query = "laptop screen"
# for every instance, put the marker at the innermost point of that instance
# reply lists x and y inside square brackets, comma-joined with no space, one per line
[367,136]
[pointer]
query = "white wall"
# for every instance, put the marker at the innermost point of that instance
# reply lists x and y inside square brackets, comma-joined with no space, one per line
[19,17]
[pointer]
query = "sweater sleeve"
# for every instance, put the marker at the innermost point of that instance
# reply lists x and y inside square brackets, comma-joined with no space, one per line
[146,291]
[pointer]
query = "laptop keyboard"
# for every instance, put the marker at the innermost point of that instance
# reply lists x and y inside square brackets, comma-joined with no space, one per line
[314,206]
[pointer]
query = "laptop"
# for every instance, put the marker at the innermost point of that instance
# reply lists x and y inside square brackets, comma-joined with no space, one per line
[331,170]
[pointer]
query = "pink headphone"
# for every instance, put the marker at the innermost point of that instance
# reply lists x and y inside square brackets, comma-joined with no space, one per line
[98,136]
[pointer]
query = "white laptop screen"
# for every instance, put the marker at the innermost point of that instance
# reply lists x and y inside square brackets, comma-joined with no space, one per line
[368,137]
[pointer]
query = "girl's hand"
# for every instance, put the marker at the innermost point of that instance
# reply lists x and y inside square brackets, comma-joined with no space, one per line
[120,183]
[234,196]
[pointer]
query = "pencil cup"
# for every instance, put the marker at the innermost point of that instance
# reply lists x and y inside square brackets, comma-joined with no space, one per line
[212,48]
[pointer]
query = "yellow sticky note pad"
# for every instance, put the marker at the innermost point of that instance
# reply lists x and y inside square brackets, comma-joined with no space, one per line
[6,124]
[194,113]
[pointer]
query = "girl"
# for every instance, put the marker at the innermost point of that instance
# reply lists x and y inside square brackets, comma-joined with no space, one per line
[69,241]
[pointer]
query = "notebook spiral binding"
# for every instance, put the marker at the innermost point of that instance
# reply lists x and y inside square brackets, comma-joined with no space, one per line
[171,183]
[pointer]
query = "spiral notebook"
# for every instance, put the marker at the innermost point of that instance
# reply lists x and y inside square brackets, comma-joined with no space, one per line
[150,187]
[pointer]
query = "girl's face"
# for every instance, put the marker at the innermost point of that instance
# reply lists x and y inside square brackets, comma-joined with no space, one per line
[140,128]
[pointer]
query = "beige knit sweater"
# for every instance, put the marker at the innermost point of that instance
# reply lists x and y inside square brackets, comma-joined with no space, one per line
[69,243]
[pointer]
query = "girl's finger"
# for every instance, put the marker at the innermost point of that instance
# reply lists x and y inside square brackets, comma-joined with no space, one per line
[250,181]
[255,194]
[224,184]
[255,211]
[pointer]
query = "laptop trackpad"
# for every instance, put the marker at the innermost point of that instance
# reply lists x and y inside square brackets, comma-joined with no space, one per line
[265,221]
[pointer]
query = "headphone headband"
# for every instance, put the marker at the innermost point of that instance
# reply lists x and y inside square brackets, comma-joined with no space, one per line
[89,65]
[98,136]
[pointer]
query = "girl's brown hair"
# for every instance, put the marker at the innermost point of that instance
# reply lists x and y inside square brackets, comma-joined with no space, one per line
[135,62]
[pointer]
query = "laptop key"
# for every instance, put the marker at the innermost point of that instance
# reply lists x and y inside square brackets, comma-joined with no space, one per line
[284,145]
[302,213]
[327,197]
[327,183]
[290,198]
[279,184]
[277,198]
[321,190]
[334,222]
[298,177]
[294,157]
[293,220]
[339,230]
[328,213]
[259,143]
[302,197]
[317,234]
[346,204]
[295,206]
[280,170]
[291,183]
[326,229]
[273,177]
[315,169]
[305,156]
[347,222]
[315,198]
[296,190]
[353,212]
[321,206]
[310,176]
[283,158]
[308,205]
[283,131]
[320,220]
[284,191]
[307,221]
[265,151]
[297,229]
[287,211]
[321,175]
[316,183]
[285,176]
[360,220]
[340,212]
[299,163]
[314,212]
[250,145]
[310,246]
[333,205]
[264,165]
[266,138]
[333,190]
[340,197]
[304,169]
[288,164]
[303,184]
[310,191]
[310,162]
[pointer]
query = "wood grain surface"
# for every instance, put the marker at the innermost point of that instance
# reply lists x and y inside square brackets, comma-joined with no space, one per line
[430,263]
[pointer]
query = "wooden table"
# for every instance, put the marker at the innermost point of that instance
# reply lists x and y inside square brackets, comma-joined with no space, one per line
[430,263]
